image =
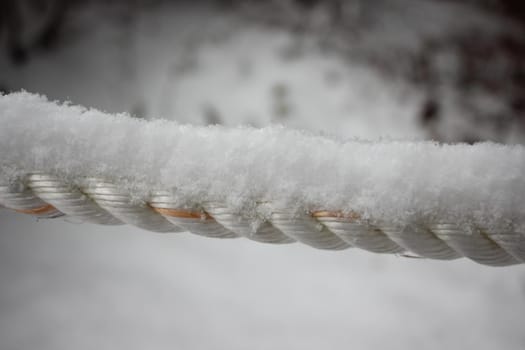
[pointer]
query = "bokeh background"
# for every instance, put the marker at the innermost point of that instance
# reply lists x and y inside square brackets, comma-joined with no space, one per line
[452,71]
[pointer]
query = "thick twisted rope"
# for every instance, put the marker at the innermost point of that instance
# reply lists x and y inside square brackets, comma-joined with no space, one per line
[102,202]
[272,185]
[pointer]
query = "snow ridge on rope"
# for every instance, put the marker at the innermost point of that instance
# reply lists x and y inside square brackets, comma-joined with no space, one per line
[270,185]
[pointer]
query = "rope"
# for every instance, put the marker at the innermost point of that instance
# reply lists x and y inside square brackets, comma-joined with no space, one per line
[101,202]
[271,185]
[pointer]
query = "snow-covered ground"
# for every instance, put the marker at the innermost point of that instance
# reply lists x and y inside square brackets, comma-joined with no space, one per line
[65,285]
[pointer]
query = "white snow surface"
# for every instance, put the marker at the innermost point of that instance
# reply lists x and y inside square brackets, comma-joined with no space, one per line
[399,181]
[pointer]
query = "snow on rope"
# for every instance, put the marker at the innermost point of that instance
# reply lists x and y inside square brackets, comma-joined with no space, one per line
[271,185]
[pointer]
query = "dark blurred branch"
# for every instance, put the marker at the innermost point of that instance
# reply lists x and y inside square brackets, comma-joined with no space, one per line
[20,17]
[50,32]
[11,23]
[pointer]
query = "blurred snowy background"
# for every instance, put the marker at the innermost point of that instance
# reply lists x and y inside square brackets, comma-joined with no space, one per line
[446,70]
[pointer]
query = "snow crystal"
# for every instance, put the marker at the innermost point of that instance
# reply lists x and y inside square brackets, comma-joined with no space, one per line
[400,181]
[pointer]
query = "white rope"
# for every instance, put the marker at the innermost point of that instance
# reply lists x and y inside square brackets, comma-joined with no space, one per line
[69,200]
[115,201]
[262,231]
[101,202]
[272,186]
[21,199]
[194,220]
[306,229]
[359,234]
